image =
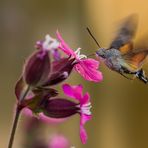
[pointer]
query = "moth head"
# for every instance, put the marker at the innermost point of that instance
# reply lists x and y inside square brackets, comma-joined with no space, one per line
[101,52]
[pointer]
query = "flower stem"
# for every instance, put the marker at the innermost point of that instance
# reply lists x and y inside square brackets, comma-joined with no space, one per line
[15,123]
[16,119]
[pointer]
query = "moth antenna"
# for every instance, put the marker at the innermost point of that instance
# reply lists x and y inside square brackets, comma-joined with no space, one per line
[93,37]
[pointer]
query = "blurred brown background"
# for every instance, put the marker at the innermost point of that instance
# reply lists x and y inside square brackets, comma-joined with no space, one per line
[120,107]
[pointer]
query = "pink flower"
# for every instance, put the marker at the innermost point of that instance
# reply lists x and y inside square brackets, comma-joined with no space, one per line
[59,141]
[84,106]
[86,67]
[53,109]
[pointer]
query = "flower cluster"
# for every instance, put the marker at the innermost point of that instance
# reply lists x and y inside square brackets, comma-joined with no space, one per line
[45,68]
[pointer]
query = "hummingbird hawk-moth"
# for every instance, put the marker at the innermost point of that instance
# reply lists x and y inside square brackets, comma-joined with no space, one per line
[122,55]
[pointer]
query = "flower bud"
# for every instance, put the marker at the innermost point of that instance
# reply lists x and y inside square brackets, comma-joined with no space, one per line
[60,108]
[37,68]
[61,70]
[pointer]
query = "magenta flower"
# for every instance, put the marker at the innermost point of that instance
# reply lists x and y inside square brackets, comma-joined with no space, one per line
[46,106]
[85,67]
[84,105]
[40,70]
[58,141]
[34,90]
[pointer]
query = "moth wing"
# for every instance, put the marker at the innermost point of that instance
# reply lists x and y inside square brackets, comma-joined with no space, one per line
[135,60]
[126,48]
[125,34]
[142,41]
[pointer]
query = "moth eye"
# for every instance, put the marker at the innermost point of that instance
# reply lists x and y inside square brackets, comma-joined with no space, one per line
[103,56]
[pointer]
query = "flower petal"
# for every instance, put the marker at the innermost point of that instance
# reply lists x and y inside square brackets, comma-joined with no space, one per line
[83,134]
[56,54]
[63,46]
[84,119]
[85,99]
[59,141]
[88,69]
[73,91]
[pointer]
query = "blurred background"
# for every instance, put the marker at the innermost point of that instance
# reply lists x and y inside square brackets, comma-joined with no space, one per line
[120,106]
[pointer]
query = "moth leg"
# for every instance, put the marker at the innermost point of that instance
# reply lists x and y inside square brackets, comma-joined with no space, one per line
[141,76]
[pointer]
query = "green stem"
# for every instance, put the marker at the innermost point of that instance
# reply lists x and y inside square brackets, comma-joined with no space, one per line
[16,119]
[15,123]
